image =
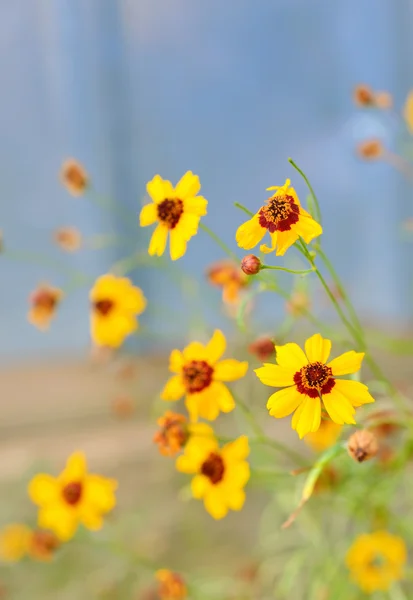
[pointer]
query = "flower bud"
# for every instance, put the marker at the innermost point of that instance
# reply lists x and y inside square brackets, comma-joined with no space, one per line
[263,348]
[362,445]
[251,264]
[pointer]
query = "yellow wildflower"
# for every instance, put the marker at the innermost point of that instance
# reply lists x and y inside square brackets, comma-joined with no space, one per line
[43,305]
[74,177]
[115,304]
[14,542]
[220,473]
[325,436]
[74,497]
[177,210]
[313,384]
[285,220]
[200,376]
[376,560]
[171,585]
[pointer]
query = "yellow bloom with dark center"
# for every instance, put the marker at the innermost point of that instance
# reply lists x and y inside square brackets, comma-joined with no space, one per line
[14,542]
[200,376]
[115,304]
[176,210]
[327,435]
[376,560]
[171,585]
[44,302]
[283,218]
[312,384]
[220,473]
[72,498]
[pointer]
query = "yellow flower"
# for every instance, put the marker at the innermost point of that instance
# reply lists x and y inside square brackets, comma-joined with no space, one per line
[408,111]
[376,560]
[171,585]
[199,375]
[177,210]
[44,302]
[312,383]
[115,304]
[14,542]
[74,177]
[74,497]
[285,220]
[220,473]
[325,436]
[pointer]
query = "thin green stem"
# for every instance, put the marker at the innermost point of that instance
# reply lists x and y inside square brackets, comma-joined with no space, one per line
[293,271]
[42,261]
[304,176]
[242,207]
[220,243]
[126,214]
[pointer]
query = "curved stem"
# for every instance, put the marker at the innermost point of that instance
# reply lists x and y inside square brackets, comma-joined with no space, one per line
[304,176]
[293,271]
[220,243]
[242,207]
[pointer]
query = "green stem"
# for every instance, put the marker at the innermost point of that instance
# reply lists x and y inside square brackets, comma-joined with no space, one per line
[126,214]
[293,271]
[304,176]
[220,243]
[42,261]
[242,207]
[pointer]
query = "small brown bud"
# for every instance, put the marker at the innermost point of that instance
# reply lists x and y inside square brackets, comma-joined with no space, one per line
[362,445]
[263,348]
[251,264]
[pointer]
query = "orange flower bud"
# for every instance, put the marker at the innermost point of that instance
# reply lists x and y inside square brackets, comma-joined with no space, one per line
[251,264]
[362,445]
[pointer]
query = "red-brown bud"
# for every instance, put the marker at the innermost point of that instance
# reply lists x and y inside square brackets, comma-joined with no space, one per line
[251,264]
[362,445]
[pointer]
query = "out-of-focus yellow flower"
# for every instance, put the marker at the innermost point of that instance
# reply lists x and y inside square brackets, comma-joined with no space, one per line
[68,239]
[42,545]
[173,433]
[14,542]
[327,435]
[176,210]
[74,497]
[44,302]
[115,304]
[227,275]
[298,303]
[220,473]
[285,220]
[171,585]
[200,376]
[74,177]
[408,111]
[376,560]
[312,383]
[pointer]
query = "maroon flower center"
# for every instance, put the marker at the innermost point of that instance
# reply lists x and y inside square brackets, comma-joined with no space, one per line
[197,375]
[72,492]
[104,307]
[170,211]
[314,379]
[46,300]
[213,468]
[279,213]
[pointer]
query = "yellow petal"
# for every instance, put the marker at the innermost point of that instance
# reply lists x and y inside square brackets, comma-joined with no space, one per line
[356,392]
[200,486]
[44,489]
[187,226]
[236,450]
[196,206]
[349,362]
[230,369]
[158,241]
[284,402]
[99,493]
[188,186]
[176,361]
[174,389]
[307,228]
[285,240]
[215,504]
[61,519]
[75,469]
[317,349]
[216,346]
[267,249]
[194,351]
[250,233]
[159,189]
[236,499]
[178,243]
[309,416]
[205,404]
[338,407]
[275,375]
[291,357]
[408,111]
[91,519]
[111,330]
[149,215]
[236,475]
[224,397]
[196,452]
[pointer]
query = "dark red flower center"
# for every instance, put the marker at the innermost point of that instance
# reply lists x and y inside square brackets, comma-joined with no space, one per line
[46,300]
[213,468]
[197,375]
[72,492]
[314,379]
[170,211]
[279,213]
[104,307]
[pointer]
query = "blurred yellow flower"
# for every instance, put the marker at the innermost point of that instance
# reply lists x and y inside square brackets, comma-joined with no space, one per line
[408,111]
[199,375]
[327,435]
[14,542]
[229,276]
[220,473]
[173,433]
[74,177]
[176,210]
[44,302]
[74,497]
[171,585]
[376,560]
[312,383]
[115,304]
[285,220]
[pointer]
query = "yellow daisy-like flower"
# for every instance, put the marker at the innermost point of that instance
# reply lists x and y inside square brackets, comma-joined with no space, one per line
[177,210]
[327,435]
[14,542]
[74,497]
[200,376]
[312,383]
[376,560]
[220,473]
[115,304]
[285,220]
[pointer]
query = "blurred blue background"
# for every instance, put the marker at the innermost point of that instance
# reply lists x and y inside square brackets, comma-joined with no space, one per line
[229,90]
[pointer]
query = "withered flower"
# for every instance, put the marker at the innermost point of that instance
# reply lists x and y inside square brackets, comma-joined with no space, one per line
[68,239]
[44,302]
[74,177]
[263,348]
[362,445]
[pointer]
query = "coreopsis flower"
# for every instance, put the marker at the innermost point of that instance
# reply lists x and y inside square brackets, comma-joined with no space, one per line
[42,545]
[408,111]
[173,433]
[74,177]
[44,302]
[327,435]
[176,210]
[285,220]
[312,384]
[370,149]
[68,239]
[171,585]
[376,560]
[115,304]
[220,474]
[74,497]
[14,542]
[263,348]
[227,275]
[199,375]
